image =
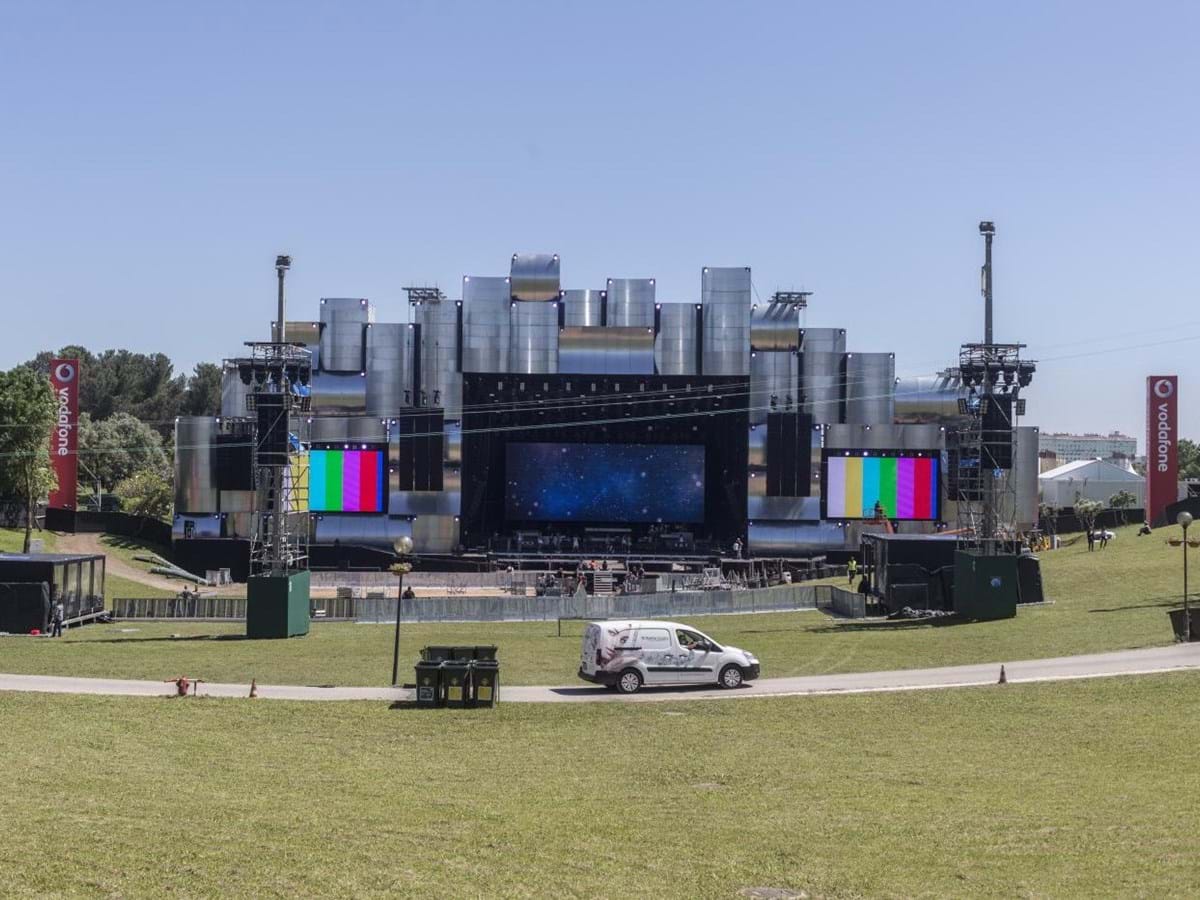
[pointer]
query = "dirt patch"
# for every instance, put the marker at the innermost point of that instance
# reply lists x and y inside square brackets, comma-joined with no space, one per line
[114,565]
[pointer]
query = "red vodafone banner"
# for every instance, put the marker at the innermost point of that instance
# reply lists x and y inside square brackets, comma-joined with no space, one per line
[1162,446]
[64,439]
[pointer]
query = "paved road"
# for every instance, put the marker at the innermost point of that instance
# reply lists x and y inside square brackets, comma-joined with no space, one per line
[1097,665]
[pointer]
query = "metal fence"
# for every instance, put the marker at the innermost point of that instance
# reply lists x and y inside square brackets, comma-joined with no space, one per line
[214,608]
[668,604]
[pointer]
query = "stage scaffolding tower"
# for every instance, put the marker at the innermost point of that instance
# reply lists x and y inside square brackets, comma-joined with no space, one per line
[279,537]
[993,375]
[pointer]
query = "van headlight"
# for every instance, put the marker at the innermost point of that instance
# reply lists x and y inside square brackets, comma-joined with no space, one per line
[752,659]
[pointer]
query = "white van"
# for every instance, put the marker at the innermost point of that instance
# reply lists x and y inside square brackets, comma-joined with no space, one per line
[624,655]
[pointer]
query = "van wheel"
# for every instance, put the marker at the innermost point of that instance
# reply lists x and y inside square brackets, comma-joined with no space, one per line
[630,681]
[731,677]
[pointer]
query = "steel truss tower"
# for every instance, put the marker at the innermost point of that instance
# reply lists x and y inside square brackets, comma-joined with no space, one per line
[279,538]
[993,375]
[986,496]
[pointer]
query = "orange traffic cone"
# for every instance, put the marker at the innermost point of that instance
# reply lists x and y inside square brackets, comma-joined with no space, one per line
[1003,677]
[253,688]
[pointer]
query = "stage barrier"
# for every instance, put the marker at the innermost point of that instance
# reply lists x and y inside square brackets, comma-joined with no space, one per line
[668,604]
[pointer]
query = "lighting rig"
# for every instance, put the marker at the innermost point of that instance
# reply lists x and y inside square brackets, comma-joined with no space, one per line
[279,375]
[993,375]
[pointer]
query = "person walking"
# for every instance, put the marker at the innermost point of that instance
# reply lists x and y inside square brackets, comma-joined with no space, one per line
[851,570]
[1103,538]
[1091,538]
[57,620]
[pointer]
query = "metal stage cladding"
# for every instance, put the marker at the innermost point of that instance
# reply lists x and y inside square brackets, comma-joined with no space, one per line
[525,358]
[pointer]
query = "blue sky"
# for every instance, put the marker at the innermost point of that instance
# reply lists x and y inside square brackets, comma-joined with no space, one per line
[154,157]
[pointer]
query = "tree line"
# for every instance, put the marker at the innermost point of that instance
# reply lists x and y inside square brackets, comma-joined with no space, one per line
[128,403]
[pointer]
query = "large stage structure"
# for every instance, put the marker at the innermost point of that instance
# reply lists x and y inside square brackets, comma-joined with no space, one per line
[529,414]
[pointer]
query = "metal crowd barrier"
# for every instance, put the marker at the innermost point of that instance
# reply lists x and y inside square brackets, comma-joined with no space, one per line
[510,608]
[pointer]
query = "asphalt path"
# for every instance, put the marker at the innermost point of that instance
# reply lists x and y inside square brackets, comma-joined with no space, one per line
[1153,660]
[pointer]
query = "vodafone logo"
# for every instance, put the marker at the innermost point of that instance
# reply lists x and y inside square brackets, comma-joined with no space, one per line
[1163,388]
[66,372]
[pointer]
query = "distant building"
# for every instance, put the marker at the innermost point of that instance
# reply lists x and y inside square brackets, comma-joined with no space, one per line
[1056,448]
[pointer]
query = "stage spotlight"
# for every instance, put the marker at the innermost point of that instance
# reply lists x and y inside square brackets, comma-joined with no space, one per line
[245,372]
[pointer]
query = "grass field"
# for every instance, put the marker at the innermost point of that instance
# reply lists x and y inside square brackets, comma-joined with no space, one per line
[12,540]
[1107,600]
[1071,789]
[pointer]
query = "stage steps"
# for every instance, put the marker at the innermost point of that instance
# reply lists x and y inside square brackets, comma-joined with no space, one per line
[602,582]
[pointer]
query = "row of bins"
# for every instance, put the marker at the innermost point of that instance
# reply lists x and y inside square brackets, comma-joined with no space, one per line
[458,677]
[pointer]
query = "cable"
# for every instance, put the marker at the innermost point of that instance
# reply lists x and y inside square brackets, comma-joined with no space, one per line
[557,424]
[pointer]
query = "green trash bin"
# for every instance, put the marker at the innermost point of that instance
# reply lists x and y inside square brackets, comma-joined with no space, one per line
[437,653]
[486,652]
[485,682]
[429,684]
[456,682]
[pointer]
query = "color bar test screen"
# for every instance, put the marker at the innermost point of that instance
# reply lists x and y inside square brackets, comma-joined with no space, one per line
[905,486]
[345,480]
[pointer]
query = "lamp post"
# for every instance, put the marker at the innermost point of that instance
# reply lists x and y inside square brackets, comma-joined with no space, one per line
[1185,519]
[403,547]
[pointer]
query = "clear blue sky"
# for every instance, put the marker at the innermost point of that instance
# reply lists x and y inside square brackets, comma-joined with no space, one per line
[156,156]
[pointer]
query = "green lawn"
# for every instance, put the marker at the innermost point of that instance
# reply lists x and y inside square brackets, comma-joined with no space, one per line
[1080,789]
[126,548]
[1107,600]
[12,540]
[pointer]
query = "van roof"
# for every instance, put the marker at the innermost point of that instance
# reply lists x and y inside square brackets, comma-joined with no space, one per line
[641,623]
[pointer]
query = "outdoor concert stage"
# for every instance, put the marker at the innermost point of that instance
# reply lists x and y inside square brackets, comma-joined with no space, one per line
[613,465]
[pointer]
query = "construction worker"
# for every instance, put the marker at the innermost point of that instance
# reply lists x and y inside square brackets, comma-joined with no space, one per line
[851,569]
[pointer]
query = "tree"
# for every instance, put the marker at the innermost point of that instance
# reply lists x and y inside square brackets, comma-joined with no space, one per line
[1087,511]
[28,411]
[117,447]
[1048,518]
[1122,500]
[148,492]
[114,381]
[1189,459]
[203,395]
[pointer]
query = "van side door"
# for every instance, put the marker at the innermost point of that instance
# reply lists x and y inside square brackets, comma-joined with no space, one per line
[696,662]
[658,655]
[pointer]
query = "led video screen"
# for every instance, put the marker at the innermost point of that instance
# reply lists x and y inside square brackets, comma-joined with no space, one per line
[604,482]
[345,480]
[906,486]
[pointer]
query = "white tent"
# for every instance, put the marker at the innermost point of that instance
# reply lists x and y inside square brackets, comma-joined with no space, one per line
[1089,479]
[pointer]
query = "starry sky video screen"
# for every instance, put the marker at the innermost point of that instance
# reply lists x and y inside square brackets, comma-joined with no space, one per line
[604,482]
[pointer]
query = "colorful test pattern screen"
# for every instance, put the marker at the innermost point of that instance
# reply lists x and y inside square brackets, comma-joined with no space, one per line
[345,480]
[905,486]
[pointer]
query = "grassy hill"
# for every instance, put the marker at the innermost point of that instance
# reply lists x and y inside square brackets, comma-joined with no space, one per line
[1077,789]
[1107,600]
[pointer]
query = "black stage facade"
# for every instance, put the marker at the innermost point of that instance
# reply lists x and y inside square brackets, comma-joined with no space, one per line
[581,461]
